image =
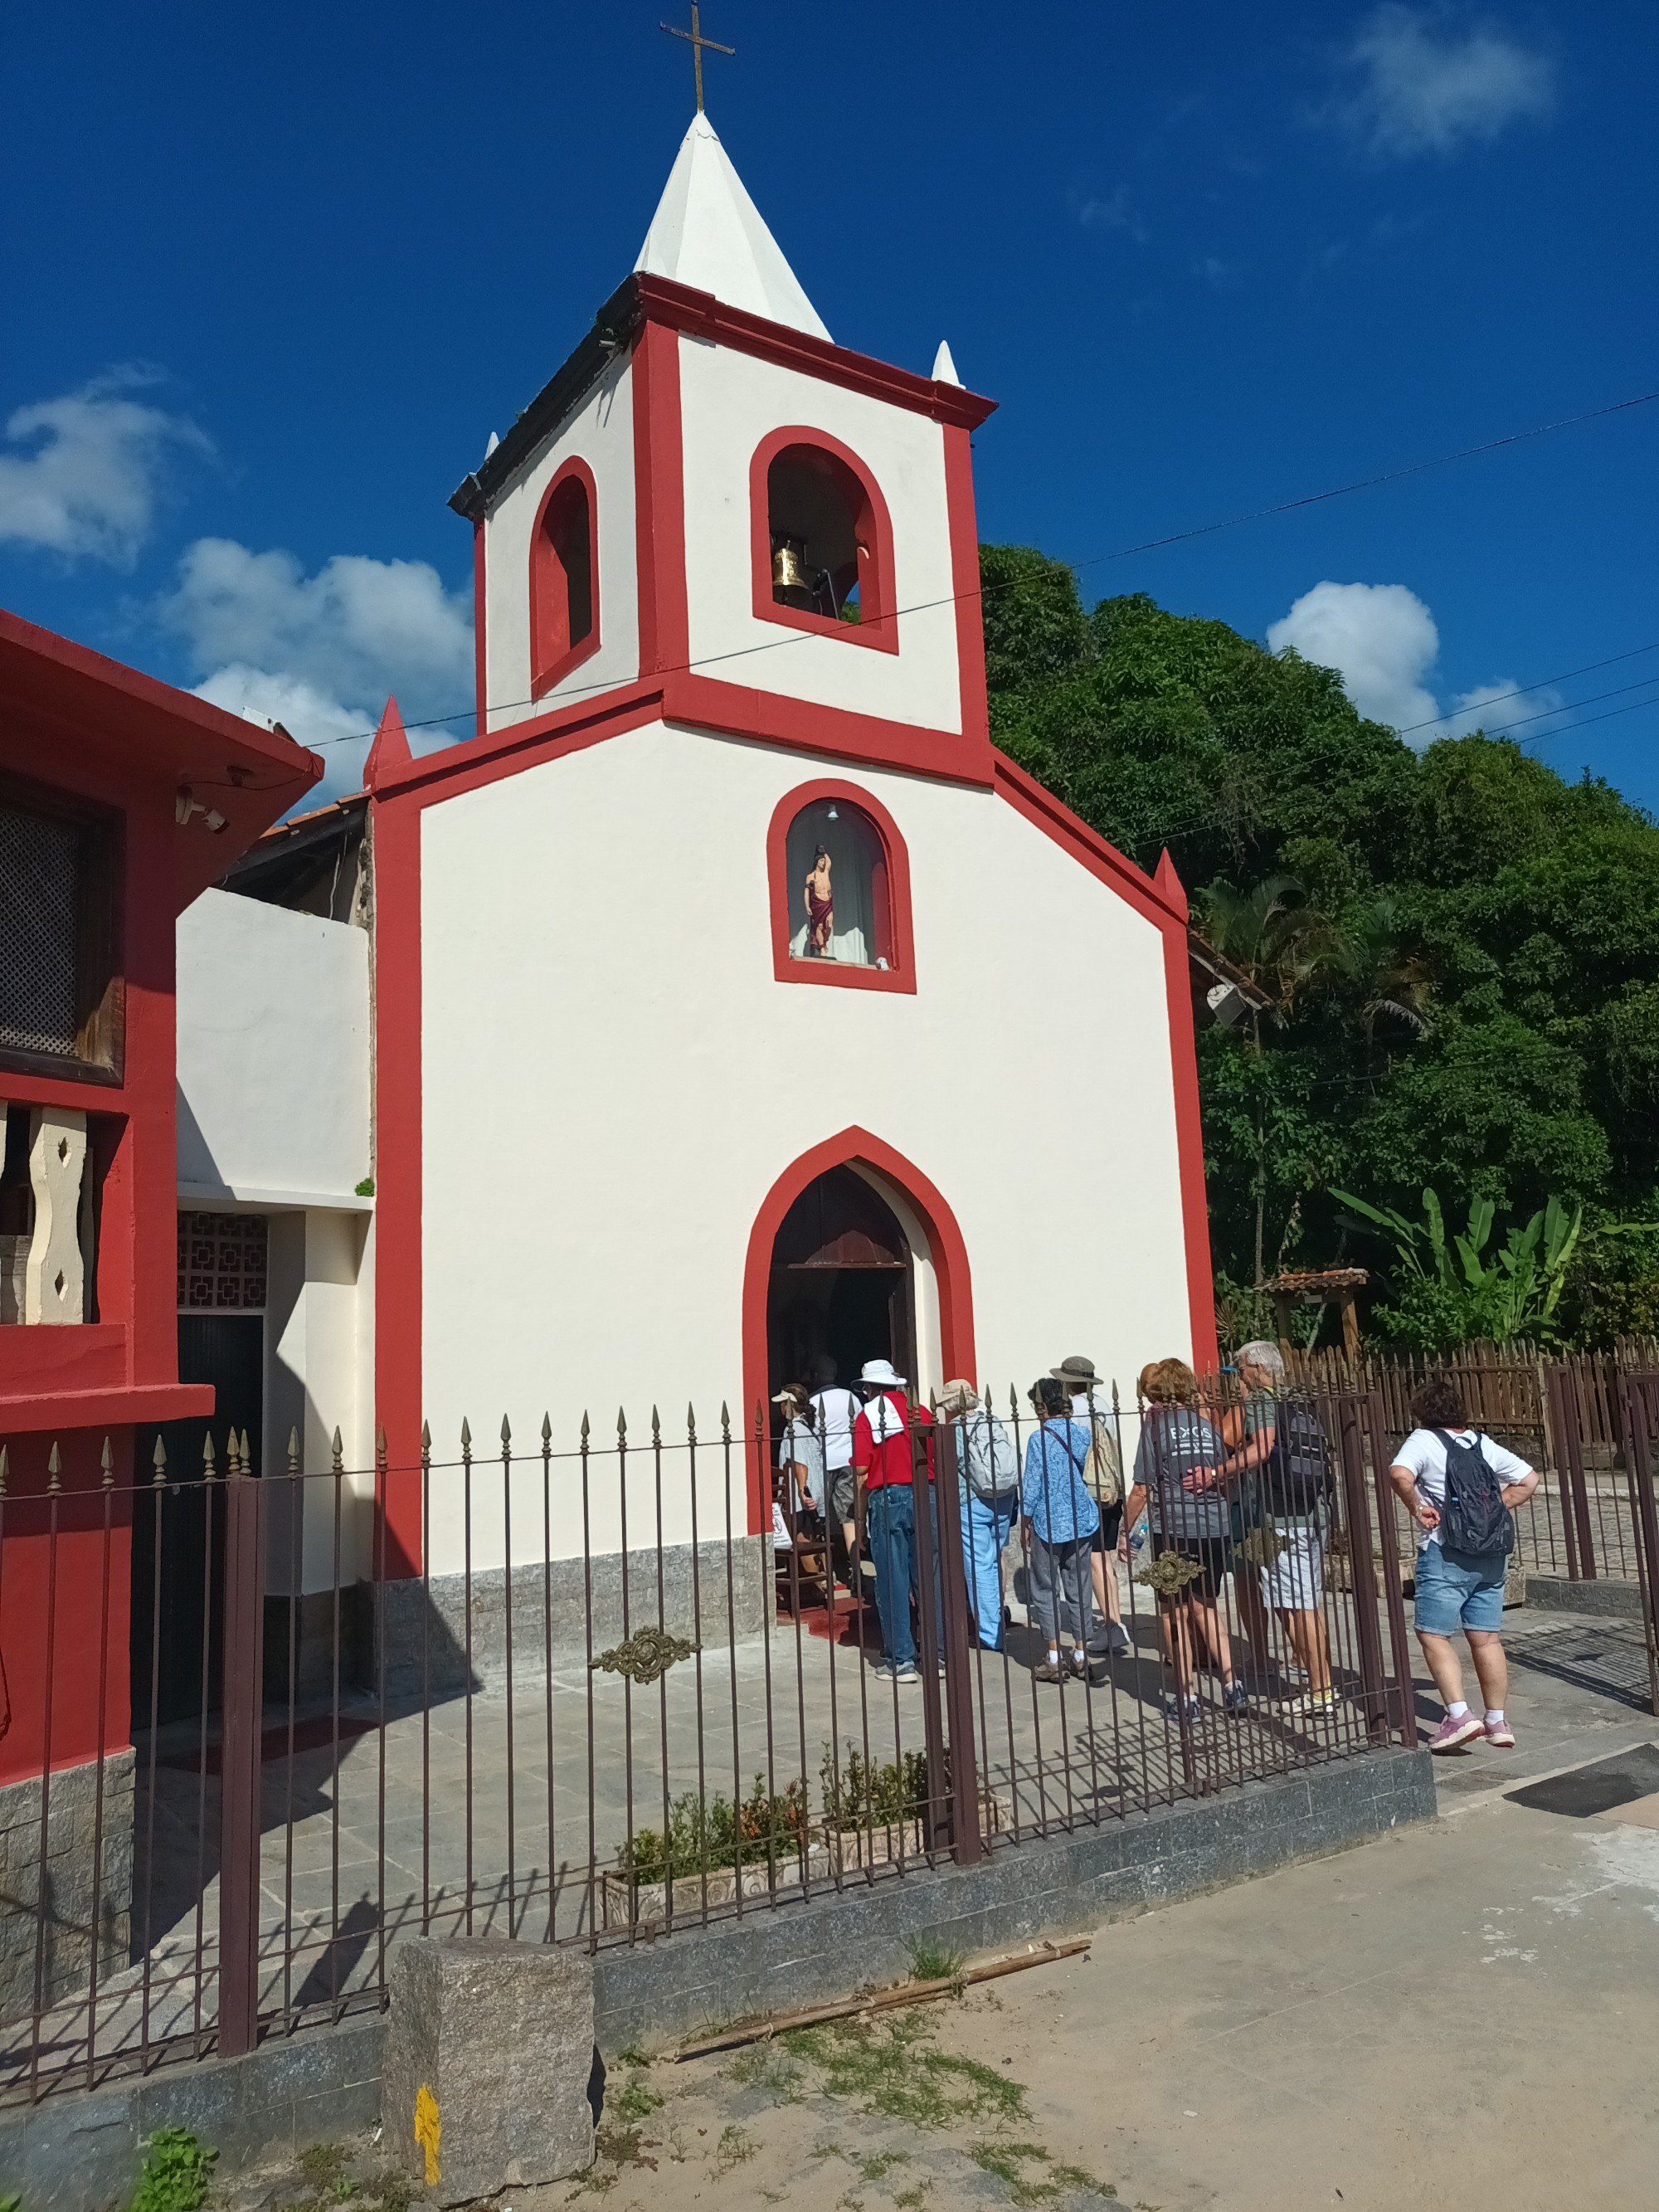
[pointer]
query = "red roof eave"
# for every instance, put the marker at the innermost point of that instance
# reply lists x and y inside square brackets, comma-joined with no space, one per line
[108,712]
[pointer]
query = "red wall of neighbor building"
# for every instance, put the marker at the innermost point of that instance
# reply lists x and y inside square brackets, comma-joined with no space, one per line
[65,1568]
[77,723]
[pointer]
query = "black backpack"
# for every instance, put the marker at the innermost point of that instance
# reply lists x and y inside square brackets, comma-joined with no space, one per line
[1474,1518]
[1296,1478]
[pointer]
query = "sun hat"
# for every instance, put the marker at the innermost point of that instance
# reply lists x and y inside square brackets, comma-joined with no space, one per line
[880,1372]
[1077,1371]
[958,1397]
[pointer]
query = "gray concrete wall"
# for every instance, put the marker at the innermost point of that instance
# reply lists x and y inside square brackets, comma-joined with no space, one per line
[78,2153]
[1608,1600]
[82,1898]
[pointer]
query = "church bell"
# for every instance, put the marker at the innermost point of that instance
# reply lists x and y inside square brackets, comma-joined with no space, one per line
[788,569]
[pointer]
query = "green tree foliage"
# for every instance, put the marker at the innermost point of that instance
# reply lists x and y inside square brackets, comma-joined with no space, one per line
[1459,950]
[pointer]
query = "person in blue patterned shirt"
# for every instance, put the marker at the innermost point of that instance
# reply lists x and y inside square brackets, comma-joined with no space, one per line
[1059,1518]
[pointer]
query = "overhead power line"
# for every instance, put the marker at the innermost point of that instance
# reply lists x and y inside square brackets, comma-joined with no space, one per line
[1095,561]
[1521,689]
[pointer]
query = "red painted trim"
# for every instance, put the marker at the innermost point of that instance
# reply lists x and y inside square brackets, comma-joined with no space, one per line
[894,939]
[679,308]
[1189,1148]
[866,740]
[398,1240]
[76,1406]
[877,624]
[659,502]
[946,1248]
[1161,900]
[700,703]
[480,631]
[548,666]
[965,583]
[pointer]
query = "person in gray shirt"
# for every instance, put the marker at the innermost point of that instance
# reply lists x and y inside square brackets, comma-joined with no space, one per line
[1177,1481]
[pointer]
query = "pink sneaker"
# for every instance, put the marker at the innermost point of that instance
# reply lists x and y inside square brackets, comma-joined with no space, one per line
[1500,1733]
[1451,1733]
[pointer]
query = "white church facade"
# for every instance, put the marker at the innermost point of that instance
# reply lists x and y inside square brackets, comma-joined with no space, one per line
[727,1002]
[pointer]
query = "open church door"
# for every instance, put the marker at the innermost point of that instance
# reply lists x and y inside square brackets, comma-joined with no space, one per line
[842,1283]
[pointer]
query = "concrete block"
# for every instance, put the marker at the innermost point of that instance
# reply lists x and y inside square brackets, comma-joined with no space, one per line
[489,2057]
[71,2154]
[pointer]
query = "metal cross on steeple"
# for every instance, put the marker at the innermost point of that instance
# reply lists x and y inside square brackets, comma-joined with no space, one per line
[697,42]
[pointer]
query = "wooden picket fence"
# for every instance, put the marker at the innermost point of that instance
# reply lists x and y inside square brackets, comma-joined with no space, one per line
[1563,1414]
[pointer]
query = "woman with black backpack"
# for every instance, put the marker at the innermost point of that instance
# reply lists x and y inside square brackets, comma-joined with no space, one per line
[1460,1487]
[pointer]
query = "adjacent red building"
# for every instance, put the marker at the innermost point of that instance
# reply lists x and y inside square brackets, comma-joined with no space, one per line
[120,800]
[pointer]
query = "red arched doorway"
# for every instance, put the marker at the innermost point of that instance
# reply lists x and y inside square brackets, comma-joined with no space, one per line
[842,1285]
[926,1233]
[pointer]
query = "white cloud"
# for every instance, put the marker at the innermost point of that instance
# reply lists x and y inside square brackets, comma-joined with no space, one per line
[1424,86]
[1382,641]
[1496,706]
[320,654]
[1113,213]
[88,488]
[1379,638]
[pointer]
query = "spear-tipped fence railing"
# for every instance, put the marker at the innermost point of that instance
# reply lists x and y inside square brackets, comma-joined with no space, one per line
[595,1693]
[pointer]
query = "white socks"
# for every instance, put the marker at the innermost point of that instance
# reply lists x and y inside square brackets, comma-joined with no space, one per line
[1494,1715]
[1456,1712]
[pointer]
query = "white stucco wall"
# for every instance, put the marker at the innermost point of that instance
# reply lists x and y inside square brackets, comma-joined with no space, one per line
[601,433]
[320,1366]
[272,1056]
[614,1078]
[729,402]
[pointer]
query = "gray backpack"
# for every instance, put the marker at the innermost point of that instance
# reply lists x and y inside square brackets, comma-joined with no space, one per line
[988,1459]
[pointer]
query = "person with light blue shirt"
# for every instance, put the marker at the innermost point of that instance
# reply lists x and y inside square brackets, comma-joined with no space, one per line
[1060,1521]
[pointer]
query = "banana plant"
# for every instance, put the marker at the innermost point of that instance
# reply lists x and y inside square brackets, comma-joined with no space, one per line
[1515,1292]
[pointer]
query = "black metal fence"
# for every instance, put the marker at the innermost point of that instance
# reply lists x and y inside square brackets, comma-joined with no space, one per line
[597,1693]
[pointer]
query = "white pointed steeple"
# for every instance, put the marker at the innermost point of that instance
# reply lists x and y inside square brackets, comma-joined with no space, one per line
[945,369]
[708,233]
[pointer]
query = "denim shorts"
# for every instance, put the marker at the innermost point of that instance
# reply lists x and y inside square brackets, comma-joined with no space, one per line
[1459,1590]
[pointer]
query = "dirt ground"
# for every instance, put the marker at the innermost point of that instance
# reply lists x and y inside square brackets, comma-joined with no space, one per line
[1465,2012]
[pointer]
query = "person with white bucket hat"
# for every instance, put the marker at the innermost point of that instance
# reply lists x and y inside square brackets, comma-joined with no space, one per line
[883,1466]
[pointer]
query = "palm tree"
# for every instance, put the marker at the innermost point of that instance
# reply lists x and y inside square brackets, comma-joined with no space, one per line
[1394,984]
[1280,944]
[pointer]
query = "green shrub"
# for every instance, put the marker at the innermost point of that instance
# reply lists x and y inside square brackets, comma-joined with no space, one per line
[175,2174]
[861,1794]
[709,1835]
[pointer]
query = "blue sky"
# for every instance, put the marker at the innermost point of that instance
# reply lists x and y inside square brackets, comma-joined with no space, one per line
[274,278]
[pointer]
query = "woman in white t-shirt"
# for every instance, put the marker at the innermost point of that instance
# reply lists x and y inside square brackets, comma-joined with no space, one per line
[1457,1589]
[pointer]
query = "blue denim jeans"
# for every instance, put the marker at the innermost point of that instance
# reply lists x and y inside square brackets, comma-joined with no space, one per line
[893,1548]
[985,1526]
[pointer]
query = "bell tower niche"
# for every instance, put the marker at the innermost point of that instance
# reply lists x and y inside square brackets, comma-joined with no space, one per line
[714,508]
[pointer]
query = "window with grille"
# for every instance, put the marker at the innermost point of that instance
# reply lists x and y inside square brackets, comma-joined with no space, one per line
[223,1261]
[59,990]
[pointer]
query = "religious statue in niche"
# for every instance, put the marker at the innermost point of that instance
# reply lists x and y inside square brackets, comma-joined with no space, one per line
[820,907]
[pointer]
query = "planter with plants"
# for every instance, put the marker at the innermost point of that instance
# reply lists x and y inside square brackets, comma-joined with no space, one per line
[713,1852]
[875,1812]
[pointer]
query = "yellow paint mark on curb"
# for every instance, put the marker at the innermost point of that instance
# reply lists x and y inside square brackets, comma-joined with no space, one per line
[429,2131]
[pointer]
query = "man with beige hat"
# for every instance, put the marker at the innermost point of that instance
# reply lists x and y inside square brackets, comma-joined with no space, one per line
[987,1470]
[1103,1477]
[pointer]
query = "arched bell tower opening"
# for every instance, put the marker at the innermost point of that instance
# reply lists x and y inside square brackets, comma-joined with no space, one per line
[842,1283]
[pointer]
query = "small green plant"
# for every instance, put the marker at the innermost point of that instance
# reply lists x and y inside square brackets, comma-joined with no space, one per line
[709,1835]
[734,2147]
[633,2101]
[11,2202]
[175,2174]
[933,1962]
[892,2068]
[1009,2162]
[366,1187]
[321,2164]
[857,1792]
